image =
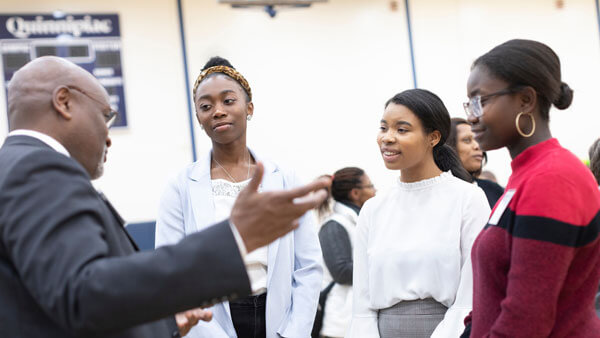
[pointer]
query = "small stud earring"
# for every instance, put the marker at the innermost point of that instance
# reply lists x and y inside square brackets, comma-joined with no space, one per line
[249,117]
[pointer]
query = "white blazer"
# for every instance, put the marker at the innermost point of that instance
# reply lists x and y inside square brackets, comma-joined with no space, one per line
[294,272]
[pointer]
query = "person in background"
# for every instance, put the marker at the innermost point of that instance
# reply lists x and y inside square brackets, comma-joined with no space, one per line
[286,275]
[594,153]
[350,189]
[412,270]
[488,175]
[536,265]
[462,140]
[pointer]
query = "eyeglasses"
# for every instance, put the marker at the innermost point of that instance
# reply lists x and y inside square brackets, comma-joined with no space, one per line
[474,106]
[109,117]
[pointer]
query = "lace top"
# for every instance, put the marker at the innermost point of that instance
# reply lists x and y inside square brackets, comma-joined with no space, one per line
[224,194]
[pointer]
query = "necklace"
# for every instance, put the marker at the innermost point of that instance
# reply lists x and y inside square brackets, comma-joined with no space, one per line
[228,174]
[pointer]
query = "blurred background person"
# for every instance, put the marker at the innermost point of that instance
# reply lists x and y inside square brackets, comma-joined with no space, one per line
[594,153]
[488,175]
[471,156]
[286,275]
[412,271]
[536,265]
[350,189]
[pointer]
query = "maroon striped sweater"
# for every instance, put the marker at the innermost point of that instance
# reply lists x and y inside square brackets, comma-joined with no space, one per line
[536,271]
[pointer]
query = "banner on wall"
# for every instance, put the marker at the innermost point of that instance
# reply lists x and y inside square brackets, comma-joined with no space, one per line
[93,41]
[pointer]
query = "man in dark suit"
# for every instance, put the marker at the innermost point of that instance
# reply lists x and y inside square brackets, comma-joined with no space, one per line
[67,266]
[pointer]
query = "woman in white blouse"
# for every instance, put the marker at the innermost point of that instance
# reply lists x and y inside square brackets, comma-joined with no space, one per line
[286,275]
[412,270]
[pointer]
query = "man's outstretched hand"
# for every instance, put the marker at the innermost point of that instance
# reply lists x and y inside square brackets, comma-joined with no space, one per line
[188,319]
[262,217]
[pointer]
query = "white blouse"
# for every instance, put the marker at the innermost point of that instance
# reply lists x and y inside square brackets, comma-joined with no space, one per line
[414,242]
[224,194]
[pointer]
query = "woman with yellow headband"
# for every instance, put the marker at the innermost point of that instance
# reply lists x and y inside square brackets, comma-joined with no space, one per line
[285,275]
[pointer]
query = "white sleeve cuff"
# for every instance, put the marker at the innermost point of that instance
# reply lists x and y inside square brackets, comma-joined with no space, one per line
[238,240]
[363,326]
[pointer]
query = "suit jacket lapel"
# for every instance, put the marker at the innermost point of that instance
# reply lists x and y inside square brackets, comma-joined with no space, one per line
[119,219]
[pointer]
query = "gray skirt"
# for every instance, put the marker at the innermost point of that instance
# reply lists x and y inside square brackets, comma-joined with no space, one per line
[410,319]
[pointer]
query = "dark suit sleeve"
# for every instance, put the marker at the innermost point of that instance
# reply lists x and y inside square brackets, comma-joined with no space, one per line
[337,252]
[57,234]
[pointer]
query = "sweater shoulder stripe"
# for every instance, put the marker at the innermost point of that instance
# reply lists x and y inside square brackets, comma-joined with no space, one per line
[548,229]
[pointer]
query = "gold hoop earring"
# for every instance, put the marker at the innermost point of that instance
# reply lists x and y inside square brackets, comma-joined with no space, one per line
[519,128]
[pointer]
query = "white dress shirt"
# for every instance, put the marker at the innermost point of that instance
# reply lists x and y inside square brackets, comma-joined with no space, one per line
[414,242]
[50,141]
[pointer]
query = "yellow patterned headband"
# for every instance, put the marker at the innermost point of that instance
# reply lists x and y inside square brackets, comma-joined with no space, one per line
[232,73]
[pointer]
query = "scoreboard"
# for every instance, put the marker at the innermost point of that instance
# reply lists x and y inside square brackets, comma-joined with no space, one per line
[92,41]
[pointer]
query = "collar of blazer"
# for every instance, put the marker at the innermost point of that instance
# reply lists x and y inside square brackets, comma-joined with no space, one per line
[201,168]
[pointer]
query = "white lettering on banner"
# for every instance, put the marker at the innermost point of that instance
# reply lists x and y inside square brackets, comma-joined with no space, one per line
[114,101]
[107,45]
[98,72]
[22,28]
[15,48]
[111,81]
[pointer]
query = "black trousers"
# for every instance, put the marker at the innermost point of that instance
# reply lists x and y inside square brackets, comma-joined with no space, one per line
[248,316]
